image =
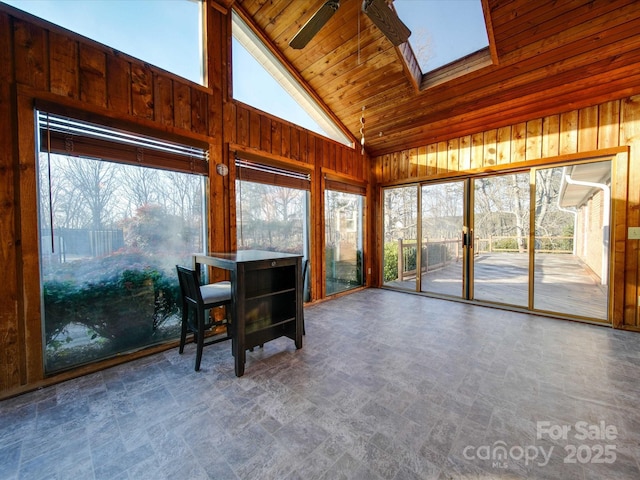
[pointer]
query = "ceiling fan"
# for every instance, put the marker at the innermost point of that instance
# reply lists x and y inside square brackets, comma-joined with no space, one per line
[384,17]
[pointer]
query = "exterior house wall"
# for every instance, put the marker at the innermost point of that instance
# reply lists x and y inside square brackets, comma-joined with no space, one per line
[590,235]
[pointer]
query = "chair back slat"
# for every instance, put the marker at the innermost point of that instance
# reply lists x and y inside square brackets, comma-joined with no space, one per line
[189,285]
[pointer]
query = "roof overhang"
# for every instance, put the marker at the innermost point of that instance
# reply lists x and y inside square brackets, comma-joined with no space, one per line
[580,182]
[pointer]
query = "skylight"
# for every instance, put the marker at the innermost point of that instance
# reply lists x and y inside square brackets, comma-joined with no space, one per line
[443,31]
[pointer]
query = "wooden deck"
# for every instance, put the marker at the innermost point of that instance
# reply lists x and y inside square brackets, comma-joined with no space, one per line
[562,283]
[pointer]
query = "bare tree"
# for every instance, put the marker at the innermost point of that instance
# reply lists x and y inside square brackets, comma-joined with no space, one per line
[520,195]
[400,213]
[270,216]
[51,190]
[442,210]
[501,207]
[178,194]
[95,182]
[141,186]
[422,45]
[547,190]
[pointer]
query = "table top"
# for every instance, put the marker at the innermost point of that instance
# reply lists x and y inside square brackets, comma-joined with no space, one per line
[245,256]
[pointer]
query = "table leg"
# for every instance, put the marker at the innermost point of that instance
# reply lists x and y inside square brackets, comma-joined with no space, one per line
[240,356]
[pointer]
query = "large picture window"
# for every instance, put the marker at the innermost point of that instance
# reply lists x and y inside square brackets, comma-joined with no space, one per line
[262,81]
[112,229]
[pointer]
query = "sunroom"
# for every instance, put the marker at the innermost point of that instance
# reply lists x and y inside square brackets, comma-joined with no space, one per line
[505,181]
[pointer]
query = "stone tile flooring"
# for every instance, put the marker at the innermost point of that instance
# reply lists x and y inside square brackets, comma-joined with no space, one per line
[388,386]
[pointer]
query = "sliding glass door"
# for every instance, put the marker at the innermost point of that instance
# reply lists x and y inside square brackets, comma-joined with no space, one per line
[400,237]
[536,239]
[443,222]
[572,231]
[501,239]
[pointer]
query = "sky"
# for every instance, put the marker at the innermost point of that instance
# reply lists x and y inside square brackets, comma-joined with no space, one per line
[442,30]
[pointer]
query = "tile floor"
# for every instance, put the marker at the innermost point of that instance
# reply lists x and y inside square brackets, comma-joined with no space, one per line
[388,386]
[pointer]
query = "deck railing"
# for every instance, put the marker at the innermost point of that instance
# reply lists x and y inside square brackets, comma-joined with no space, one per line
[439,253]
[544,244]
[435,254]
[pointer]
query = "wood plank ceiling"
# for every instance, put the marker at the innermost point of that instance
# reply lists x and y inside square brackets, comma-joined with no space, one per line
[548,56]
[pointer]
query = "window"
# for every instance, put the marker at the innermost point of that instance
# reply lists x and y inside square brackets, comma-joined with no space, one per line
[261,81]
[343,223]
[112,228]
[272,208]
[164,33]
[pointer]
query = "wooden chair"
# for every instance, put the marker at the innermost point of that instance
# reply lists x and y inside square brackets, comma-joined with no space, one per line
[200,299]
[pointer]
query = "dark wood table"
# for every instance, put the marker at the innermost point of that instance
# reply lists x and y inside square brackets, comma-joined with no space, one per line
[266,297]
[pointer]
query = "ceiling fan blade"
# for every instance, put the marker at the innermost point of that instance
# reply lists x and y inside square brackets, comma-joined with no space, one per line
[386,20]
[314,24]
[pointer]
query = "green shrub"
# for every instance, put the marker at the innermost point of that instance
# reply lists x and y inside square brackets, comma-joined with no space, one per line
[390,269]
[121,298]
[505,244]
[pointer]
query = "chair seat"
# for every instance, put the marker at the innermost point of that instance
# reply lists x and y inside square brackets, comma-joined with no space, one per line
[216,292]
[197,300]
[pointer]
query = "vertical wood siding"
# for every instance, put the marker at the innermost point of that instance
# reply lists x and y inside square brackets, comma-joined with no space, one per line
[11,357]
[267,135]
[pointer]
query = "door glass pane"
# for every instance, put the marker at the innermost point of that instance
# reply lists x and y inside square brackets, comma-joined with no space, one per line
[442,223]
[572,224]
[501,235]
[400,207]
[343,240]
[108,260]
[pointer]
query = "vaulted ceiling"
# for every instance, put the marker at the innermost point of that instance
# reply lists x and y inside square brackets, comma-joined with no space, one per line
[545,57]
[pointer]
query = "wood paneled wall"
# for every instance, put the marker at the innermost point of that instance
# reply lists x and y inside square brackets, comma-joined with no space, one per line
[274,138]
[592,131]
[10,326]
[258,136]
[40,62]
